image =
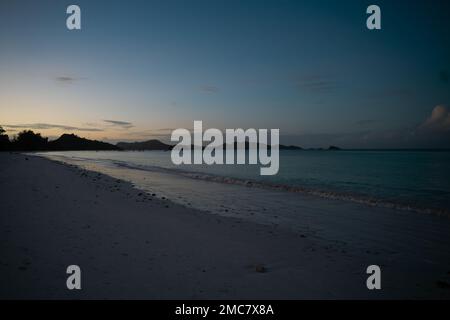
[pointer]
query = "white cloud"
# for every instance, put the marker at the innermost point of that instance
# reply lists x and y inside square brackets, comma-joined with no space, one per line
[439,120]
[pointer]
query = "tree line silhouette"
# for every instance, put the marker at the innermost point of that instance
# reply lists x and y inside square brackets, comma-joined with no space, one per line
[27,140]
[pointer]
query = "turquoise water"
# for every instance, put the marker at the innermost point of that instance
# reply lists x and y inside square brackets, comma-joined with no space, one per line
[417,180]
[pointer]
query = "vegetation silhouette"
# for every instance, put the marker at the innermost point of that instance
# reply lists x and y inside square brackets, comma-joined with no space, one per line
[27,140]
[4,140]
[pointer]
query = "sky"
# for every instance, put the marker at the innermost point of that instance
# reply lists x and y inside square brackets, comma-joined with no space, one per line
[139,69]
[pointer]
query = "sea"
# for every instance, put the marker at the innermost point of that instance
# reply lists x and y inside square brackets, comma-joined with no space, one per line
[401,180]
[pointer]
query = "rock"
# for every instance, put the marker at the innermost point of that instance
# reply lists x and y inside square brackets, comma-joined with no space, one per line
[443,284]
[260,268]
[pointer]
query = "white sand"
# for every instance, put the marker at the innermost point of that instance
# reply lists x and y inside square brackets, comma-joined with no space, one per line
[133,246]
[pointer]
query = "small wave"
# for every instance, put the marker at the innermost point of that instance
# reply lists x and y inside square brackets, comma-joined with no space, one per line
[326,194]
[332,195]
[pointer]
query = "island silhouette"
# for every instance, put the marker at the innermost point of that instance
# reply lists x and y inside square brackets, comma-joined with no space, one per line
[28,140]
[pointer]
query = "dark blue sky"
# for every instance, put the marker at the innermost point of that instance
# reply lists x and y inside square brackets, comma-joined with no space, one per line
[310,68]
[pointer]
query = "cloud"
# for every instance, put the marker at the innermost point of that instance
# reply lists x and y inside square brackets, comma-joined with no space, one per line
[209,88]
[159,131]
[121,124]
[365,122]
[90,127]
[44,126]
[438,121]
[316,83]
[67,79]
[164,132]
[433,132]
[390,92]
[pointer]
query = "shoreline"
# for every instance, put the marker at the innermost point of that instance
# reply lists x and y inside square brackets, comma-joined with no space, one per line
[130,244]
[355,197]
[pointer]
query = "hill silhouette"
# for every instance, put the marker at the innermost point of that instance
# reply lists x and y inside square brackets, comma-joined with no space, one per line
[333,148]
[27,140]
[280,146]
[144,145]
[72,142]
[158,145]
[247,146]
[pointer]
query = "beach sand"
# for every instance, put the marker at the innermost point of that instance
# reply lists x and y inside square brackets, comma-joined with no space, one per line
[133,245]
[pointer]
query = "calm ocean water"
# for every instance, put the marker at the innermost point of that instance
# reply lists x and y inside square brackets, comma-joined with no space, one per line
[412,180]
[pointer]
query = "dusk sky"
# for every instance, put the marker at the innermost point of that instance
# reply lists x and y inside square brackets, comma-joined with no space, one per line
[138,69]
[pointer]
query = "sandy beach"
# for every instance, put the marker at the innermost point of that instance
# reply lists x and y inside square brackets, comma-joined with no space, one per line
[130,244]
